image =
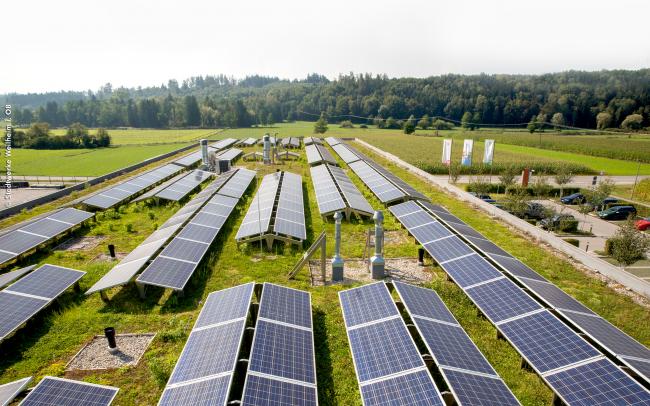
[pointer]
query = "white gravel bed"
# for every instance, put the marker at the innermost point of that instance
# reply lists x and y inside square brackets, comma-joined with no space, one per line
[96,355]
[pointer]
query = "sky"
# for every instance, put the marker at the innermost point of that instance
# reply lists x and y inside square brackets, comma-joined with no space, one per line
[80,45]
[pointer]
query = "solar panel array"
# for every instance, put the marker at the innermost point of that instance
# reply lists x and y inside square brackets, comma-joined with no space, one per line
[130,265]
[52,391]
[126,190]
[346,154]
[24,239]
[336,192]
[203,375]
[312,140]
[225,143]
[237,185]
[182,187]
[317,154]
[331,141]
[272,140]
[282,363]
[290,142]
[544,341]
[276,211]
[389,367]
[192,158]
[469,375]
[385,191]
[10,390]
[21,300]
[176,263]
[230,154]
[627,349]
[248,142]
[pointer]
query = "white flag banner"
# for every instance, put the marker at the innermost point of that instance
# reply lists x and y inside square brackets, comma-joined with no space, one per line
[488,156]
[446,151]
[468,146]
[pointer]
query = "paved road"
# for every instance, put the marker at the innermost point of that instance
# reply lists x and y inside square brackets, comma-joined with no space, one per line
[578,181]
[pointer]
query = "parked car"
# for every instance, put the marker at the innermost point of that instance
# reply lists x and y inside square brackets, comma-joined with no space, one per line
[535,211]
[605,203]
[484,197]
[575,198]
[643,224]
[562,222]
[617,213]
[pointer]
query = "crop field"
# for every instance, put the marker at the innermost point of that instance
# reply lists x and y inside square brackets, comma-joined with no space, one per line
[425,151]
[83,162]
[47,343]
[137,136]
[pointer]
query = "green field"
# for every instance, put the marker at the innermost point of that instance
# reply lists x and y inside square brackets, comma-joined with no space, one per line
[83,162]
[136,136]
[44,346]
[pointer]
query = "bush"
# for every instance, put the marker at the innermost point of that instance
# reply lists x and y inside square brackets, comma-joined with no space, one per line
[363,126]
[568,226]
[549,168]
[629,244]
[573,241]
[347,124]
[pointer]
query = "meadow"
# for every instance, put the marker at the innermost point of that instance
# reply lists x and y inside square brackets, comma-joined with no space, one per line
[45,345]
[148,136]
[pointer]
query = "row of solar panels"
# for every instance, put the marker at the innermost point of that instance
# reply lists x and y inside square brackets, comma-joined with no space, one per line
[336,192]
[389,367]
[183,186]
[290,142]
[318,154]
[178,260]
[22,300]
[52,391]
[631,352]
[276,211]
[281,365]
[312,140]
[24,239]
[126,190]
[574,369]
[247,142]
[232,184]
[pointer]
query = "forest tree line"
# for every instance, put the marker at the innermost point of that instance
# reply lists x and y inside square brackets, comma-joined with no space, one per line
[601,99]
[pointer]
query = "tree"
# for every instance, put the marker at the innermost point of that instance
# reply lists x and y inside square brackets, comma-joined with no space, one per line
[346,124]
[39,130]
[320,127]
[508,177]
[269,120]
[425,122]
[603,120]
[595,195]
[442,125]
[541,121]
[516,202]
[479,185]
[563,177]
[466,121]
[540,186]
[192,112]
[76,130]
[633,122]
[391,123]
[558,121]
[409,125]
[532,126]
[629,244]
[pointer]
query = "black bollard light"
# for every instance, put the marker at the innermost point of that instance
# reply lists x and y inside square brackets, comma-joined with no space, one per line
[111,250]
[109,332]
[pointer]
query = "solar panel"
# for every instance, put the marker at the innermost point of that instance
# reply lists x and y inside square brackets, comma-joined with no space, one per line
[597,383]
[331,141]
[413,389]
[282,351]
[226,304]
[196,232]
[608,335]
[470,270]
[286,305]
[423,302]
[238,184]
[208,392]
[10,390]
[465,230]
[344,152]
[385,191]
[328,197]
[516,268]
[447,248]
[197,360]
[642,367]
[355,200]
[185,250]
[554,296]
[225,143]
[190,159]
[167,273]
[501,299]
[258,217]
[9,277]
[546,342]
[312,140]
[290,214]
[181,188]
[230,154]
[52,391]
[48,281]
[382,349]
[486,246]
[46,227]
[266,391]
[427,232]
[366,303]
[18,242]
[17,310]
[473,389]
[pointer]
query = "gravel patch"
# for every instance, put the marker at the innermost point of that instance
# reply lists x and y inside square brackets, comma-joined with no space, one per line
[96,355]
[80,243]
[356,271]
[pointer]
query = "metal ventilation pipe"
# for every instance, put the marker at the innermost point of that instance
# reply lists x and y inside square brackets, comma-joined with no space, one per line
[109,332]
[267,149]
[204,152]
[377,264]
[337,261]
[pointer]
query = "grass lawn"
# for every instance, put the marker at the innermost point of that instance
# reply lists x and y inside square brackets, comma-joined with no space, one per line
[83,162]
[46,345]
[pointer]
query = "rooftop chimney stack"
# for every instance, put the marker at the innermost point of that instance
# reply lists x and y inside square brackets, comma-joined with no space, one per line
[204,153]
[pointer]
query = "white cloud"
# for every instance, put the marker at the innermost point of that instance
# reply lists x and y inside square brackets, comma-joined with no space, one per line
[72,44]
